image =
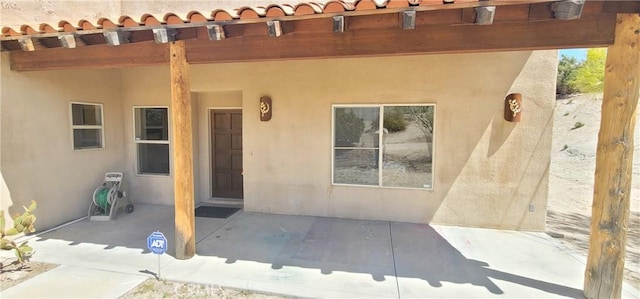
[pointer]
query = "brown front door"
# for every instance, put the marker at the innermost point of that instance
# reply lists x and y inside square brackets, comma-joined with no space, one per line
[226,139]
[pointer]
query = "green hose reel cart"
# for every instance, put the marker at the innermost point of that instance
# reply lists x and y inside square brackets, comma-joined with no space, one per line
[109,199]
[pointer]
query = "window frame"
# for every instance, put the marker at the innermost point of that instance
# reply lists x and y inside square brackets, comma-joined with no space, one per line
[81,127]
[137,142]
[381,144]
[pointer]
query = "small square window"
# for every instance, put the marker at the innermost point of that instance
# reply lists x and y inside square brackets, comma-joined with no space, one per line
[87,126]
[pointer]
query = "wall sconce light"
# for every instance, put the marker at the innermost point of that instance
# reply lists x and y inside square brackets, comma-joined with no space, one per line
[265,108]
[513,107]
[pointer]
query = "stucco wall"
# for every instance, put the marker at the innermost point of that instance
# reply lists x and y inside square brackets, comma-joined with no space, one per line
[38,161]
[14,13]
[488,172]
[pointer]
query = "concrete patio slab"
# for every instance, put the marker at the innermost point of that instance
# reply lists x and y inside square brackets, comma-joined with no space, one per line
[75,282]
[323,257]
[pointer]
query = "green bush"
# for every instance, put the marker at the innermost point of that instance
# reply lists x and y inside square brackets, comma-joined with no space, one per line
[589,76]
[394,121]
[567,69]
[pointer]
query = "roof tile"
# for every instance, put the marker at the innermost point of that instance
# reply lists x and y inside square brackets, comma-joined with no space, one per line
[221,15]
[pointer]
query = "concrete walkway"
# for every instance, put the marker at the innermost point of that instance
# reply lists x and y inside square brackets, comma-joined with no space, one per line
[307,257]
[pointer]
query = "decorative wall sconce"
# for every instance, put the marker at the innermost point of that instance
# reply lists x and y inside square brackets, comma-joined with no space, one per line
[265,108]
[513,107]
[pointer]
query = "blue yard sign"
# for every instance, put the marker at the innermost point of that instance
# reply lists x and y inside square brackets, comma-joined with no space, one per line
[157,243]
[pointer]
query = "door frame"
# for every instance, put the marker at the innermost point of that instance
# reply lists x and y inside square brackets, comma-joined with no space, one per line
[210,152]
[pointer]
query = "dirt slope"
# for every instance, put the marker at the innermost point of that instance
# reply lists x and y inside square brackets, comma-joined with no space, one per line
[572,174]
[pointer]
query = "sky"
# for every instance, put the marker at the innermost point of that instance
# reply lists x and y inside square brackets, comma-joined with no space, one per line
[580,54]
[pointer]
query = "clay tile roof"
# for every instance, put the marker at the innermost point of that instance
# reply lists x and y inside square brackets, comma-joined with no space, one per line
[171,18]
[66,26]
[149,20]
[196,17]
[127,21]
[248,13]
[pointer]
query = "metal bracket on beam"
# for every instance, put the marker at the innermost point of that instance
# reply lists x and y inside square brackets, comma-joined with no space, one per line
[338,24]
[216,32]
[26,44]
[116,37]
[164,35]
[485,14]
[274,28]
[408,19]
[67,41]
[567,9]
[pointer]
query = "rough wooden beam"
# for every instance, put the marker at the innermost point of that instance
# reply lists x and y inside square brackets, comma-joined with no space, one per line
[181,126]
[614,160]
[97,56]
[421,40]
[356,41]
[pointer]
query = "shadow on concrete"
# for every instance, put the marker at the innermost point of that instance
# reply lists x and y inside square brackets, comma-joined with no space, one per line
[405,253]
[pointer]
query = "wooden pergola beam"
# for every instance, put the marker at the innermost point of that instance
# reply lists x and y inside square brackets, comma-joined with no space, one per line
[181,126]
[596,31]
[614,161]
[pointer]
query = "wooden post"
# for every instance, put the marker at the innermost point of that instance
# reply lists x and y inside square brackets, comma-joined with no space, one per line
[182,152]
[610,211]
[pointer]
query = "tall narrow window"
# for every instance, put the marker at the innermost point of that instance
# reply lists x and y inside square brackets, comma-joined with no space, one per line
[383,145]
[86,124]
[152,140]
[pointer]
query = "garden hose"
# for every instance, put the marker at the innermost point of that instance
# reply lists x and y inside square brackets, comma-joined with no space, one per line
[102,199]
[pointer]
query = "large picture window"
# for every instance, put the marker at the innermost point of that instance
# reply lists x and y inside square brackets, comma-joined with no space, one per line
[152,140]
[86,126]
[383,145]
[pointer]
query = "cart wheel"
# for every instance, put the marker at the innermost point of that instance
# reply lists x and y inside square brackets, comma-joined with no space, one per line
[129,209]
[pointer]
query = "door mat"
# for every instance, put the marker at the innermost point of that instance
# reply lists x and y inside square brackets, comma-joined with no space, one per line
[215,212]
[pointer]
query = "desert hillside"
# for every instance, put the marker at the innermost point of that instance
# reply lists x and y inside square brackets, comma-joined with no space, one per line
[573,153]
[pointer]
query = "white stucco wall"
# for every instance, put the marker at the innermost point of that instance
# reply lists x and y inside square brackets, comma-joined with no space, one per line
[38,161]
[488,172]
[14,13]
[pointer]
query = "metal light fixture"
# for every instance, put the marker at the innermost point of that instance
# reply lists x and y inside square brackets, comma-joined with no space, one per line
[485,14]
[513,107]
[338,24]
[408,19]
[216,32]
[67,41]
[116,37]
[164,35]
[26,44]
[274,28]
[567,9]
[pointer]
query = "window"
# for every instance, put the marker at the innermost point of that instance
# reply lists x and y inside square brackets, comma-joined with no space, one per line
[86,126]
[383,145]
[152,140]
